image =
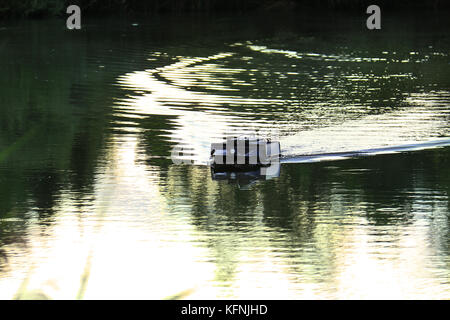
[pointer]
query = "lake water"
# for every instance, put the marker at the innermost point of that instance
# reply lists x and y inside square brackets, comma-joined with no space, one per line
[92,206]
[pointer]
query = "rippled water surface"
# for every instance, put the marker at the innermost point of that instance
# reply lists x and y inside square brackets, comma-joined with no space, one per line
[92,206]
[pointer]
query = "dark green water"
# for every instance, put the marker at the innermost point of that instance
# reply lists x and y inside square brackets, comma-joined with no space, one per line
[91,205]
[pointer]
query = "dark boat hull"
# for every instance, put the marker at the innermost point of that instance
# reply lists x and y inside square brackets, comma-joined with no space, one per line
[243,154]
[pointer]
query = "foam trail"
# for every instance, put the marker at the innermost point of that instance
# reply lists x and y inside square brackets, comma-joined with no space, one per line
[439,143]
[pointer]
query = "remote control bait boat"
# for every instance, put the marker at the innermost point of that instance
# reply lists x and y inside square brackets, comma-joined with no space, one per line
[237,154]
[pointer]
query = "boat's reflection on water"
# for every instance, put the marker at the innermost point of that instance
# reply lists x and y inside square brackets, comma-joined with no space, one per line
[246,179]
